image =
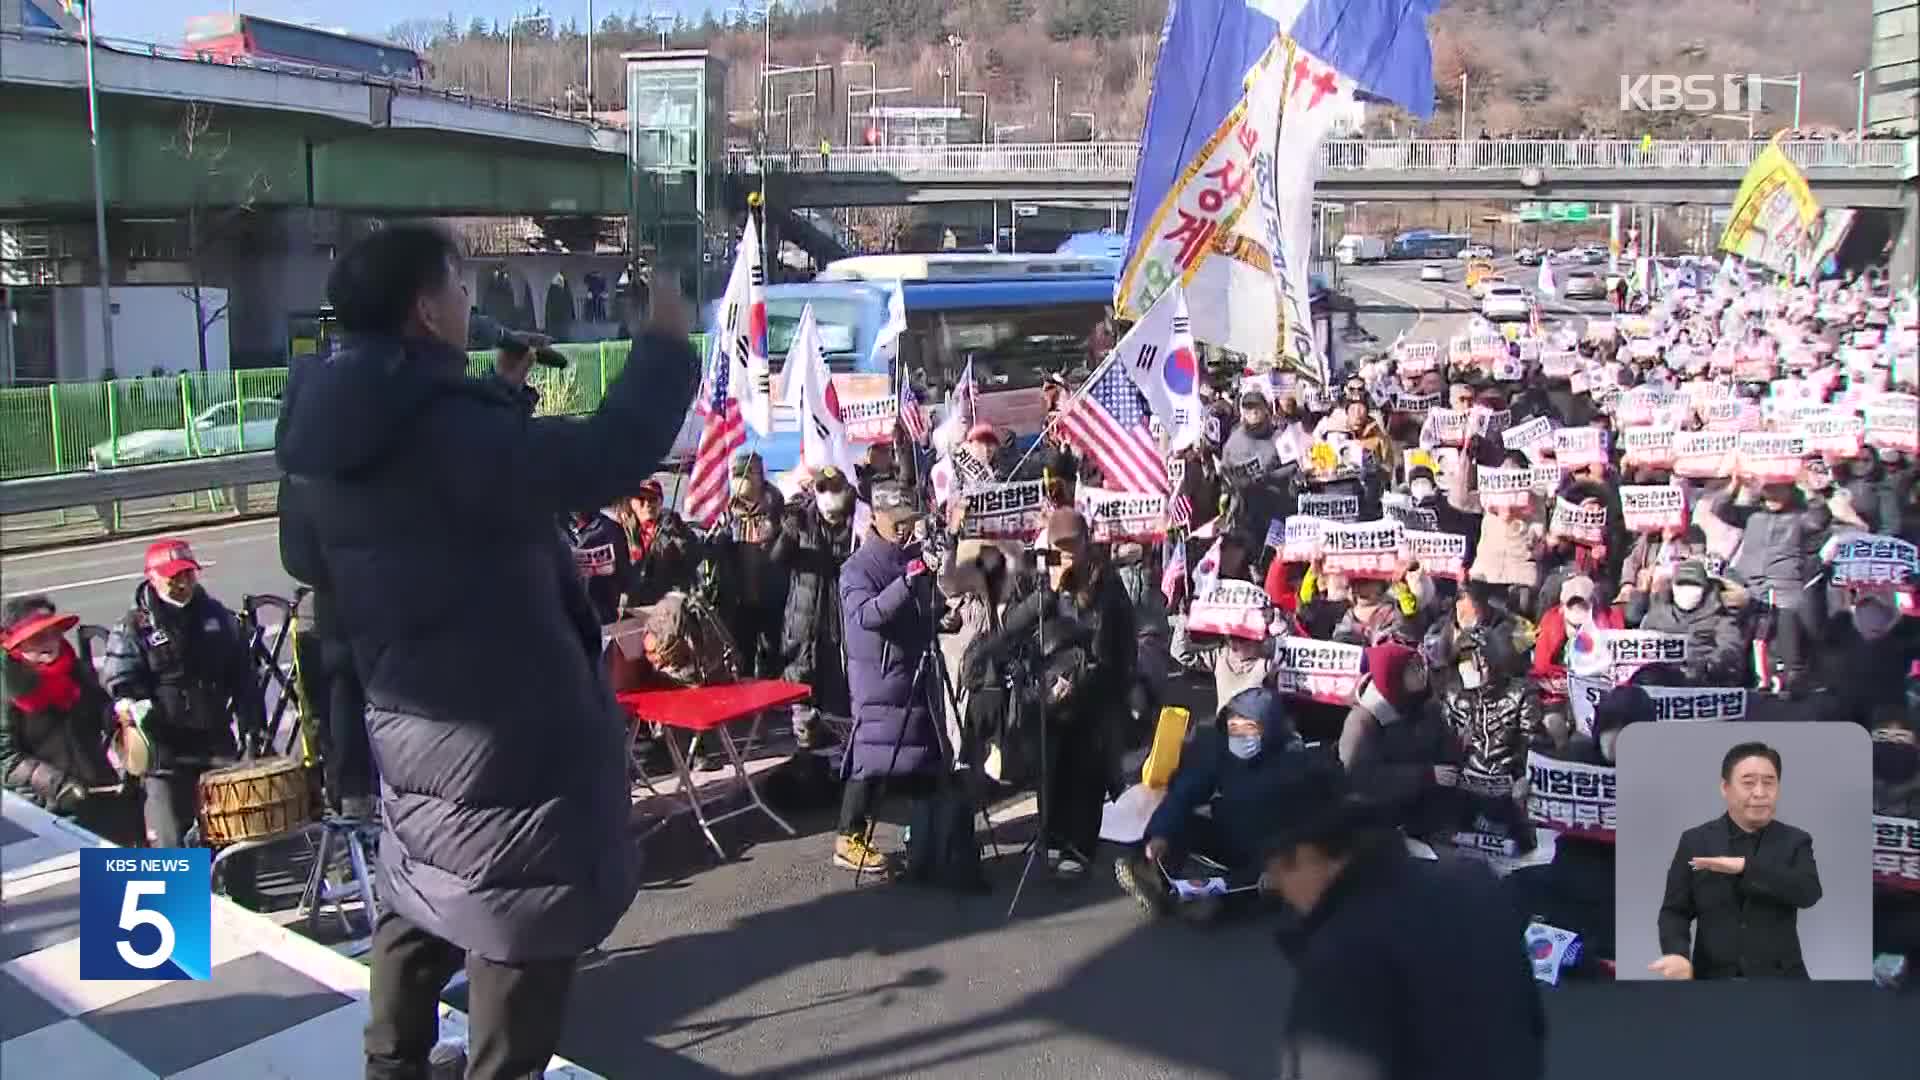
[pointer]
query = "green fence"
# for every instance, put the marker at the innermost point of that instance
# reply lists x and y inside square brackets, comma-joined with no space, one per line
[69,427]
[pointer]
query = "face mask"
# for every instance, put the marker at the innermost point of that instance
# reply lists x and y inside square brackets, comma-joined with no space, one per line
[833,504]
[1421,490]
[185,598]
[1470,676]
[1688,597]
[1244,747]
[1874,621]
[1575,617]
[743,486]
[1895,761]
[1608,739]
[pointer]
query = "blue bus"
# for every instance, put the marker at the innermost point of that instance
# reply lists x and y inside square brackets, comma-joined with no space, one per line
[1427,244]
[1016,318]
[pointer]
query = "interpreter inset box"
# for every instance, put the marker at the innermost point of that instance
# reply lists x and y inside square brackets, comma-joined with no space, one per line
[1744,851]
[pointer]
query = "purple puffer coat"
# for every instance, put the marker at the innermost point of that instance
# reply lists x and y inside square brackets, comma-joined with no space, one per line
[887,631]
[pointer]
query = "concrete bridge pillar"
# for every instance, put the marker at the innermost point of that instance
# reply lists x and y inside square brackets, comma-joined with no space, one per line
[1904,267]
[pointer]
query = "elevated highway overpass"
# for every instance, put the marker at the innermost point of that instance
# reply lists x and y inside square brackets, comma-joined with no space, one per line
[281,135]
[1869,174]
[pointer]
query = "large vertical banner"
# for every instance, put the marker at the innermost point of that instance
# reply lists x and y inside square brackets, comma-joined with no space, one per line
[1776,220]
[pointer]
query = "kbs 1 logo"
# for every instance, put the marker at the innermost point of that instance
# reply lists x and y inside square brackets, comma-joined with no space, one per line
[146,914]
[1689,93]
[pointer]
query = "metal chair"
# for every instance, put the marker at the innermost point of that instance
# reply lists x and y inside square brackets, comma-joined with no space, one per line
[350,837]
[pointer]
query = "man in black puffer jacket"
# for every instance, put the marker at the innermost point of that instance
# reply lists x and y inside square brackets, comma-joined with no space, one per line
[503,772]
[816,537]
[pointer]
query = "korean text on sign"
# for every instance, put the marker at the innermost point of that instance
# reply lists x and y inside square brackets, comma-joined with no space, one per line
[1572,798]
[1322,670]
[1005,511]
[1371,550]
[1653,508]
[1896,853]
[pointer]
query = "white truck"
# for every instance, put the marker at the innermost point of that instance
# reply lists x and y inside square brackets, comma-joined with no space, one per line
[1354,248]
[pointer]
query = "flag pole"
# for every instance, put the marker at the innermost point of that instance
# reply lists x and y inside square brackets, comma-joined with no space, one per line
[1065,407]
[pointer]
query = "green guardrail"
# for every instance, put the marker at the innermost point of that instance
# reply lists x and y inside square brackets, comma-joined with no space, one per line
[72,427]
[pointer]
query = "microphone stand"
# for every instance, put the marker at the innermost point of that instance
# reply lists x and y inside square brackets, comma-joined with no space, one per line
[1038,842]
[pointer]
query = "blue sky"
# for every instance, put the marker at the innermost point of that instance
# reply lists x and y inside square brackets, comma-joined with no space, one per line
[164,20]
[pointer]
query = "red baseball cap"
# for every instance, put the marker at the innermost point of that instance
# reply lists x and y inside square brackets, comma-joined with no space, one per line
[170,557]
[651,489]
[983,433]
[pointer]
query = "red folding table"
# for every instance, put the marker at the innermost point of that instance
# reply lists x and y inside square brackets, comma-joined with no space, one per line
[700,709]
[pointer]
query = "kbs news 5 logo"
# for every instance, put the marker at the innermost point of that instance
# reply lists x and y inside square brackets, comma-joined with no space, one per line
[146,914]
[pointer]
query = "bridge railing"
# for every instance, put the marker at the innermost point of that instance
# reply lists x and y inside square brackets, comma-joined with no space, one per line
[1117,159]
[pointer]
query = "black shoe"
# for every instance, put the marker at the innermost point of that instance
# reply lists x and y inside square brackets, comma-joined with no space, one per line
[1140,880]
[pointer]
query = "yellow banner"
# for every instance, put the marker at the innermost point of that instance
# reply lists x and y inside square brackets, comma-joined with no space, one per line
[1775,217]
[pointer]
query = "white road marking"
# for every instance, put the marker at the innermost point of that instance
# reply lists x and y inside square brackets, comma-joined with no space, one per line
[89,583]
[271,527]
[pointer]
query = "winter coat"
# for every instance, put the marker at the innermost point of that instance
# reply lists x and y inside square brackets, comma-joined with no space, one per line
[1858,676]
[1776,549]
[1716,642]
[44,749]
[1416,969]
[193,665]
[1235,668]
[300,556]
[887,627]
[1240,794]
[1504,555]
[600,555]
[502,753]
[1088,637]
[1493,724]
[811,551]
[1394,766]
[662,564]
[1262,487]
[1551,638]
[1498,640]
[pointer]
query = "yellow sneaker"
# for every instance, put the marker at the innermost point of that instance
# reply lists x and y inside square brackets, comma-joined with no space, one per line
[854,853]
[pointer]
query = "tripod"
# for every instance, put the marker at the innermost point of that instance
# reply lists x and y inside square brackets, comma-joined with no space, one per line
[1043,798]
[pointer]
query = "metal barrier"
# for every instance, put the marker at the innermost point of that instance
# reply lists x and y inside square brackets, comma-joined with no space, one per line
[102,426]
[39,493]
[1343,155]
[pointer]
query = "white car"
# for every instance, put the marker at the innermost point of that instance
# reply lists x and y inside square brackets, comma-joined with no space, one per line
[1486,281]
[226,428]
[1477,251]
[1433,272]
[1506,302]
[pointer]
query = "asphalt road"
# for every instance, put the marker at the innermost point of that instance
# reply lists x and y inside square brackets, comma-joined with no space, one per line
[96,581]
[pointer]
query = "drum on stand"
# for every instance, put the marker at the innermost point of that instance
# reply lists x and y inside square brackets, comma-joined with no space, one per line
[254,800]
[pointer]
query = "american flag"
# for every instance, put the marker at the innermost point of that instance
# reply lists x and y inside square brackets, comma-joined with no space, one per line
[911,417]
[1109,424]
[723,432]
[1179,512]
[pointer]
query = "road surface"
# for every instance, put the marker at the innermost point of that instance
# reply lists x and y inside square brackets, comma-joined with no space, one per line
[96,581]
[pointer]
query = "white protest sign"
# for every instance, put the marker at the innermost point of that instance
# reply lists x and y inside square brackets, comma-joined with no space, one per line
[594,561]
[1012,511]
[1643,405]
[1123,515]
[1300,539]
[1401,509]
[1770,457]
[1529,436]
[1444,426]
[1558,363]
[1571,797]
[1583,525]
[1863,561]
[1580,446]
[1324,671]
[1232,607]
[871,419]
[1486,423]
[1833,433]
[1627,651]
[1893,423]
[1368,550]
[1504,489]
[1415,404]
[1896,853]
[1546,478]
[1600,330]
[1460,351]
[1647,446]
[1705,455]
[1653,508]
[1440,554]
[1340,508]
[1690,703]
[1583,694]
[1416,358]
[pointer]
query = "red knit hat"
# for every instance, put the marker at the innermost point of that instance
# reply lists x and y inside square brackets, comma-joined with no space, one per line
[1387,665]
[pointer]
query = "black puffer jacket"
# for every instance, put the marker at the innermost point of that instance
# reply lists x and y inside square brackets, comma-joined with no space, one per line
[501,751]
[600,554]
[811,551]
[193,665]
[1493,724]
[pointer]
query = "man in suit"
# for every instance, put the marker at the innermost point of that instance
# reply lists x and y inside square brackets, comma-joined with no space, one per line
[1743,878]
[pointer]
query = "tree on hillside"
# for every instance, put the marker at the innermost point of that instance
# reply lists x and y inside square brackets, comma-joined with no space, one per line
[415,34]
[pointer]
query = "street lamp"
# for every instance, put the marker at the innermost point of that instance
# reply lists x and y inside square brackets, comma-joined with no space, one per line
[99,203]
[1088,117]
[1755,82]
[873,80]
[513,24]
[1463,106]
[1054,115]
[1860,105]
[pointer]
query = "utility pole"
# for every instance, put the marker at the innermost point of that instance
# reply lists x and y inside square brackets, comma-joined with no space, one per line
[589,57]
[1055,116]
[99,200]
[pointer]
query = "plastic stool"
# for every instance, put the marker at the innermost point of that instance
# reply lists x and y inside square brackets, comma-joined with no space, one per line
[340,835]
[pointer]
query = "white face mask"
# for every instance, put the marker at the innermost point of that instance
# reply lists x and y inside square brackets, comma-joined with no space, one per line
[1576,616]
[1688,597]
[1421,490]
[1470,676]
[834,504]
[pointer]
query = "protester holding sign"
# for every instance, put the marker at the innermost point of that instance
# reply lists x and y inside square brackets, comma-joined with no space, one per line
[1780,535]
[1691,605]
